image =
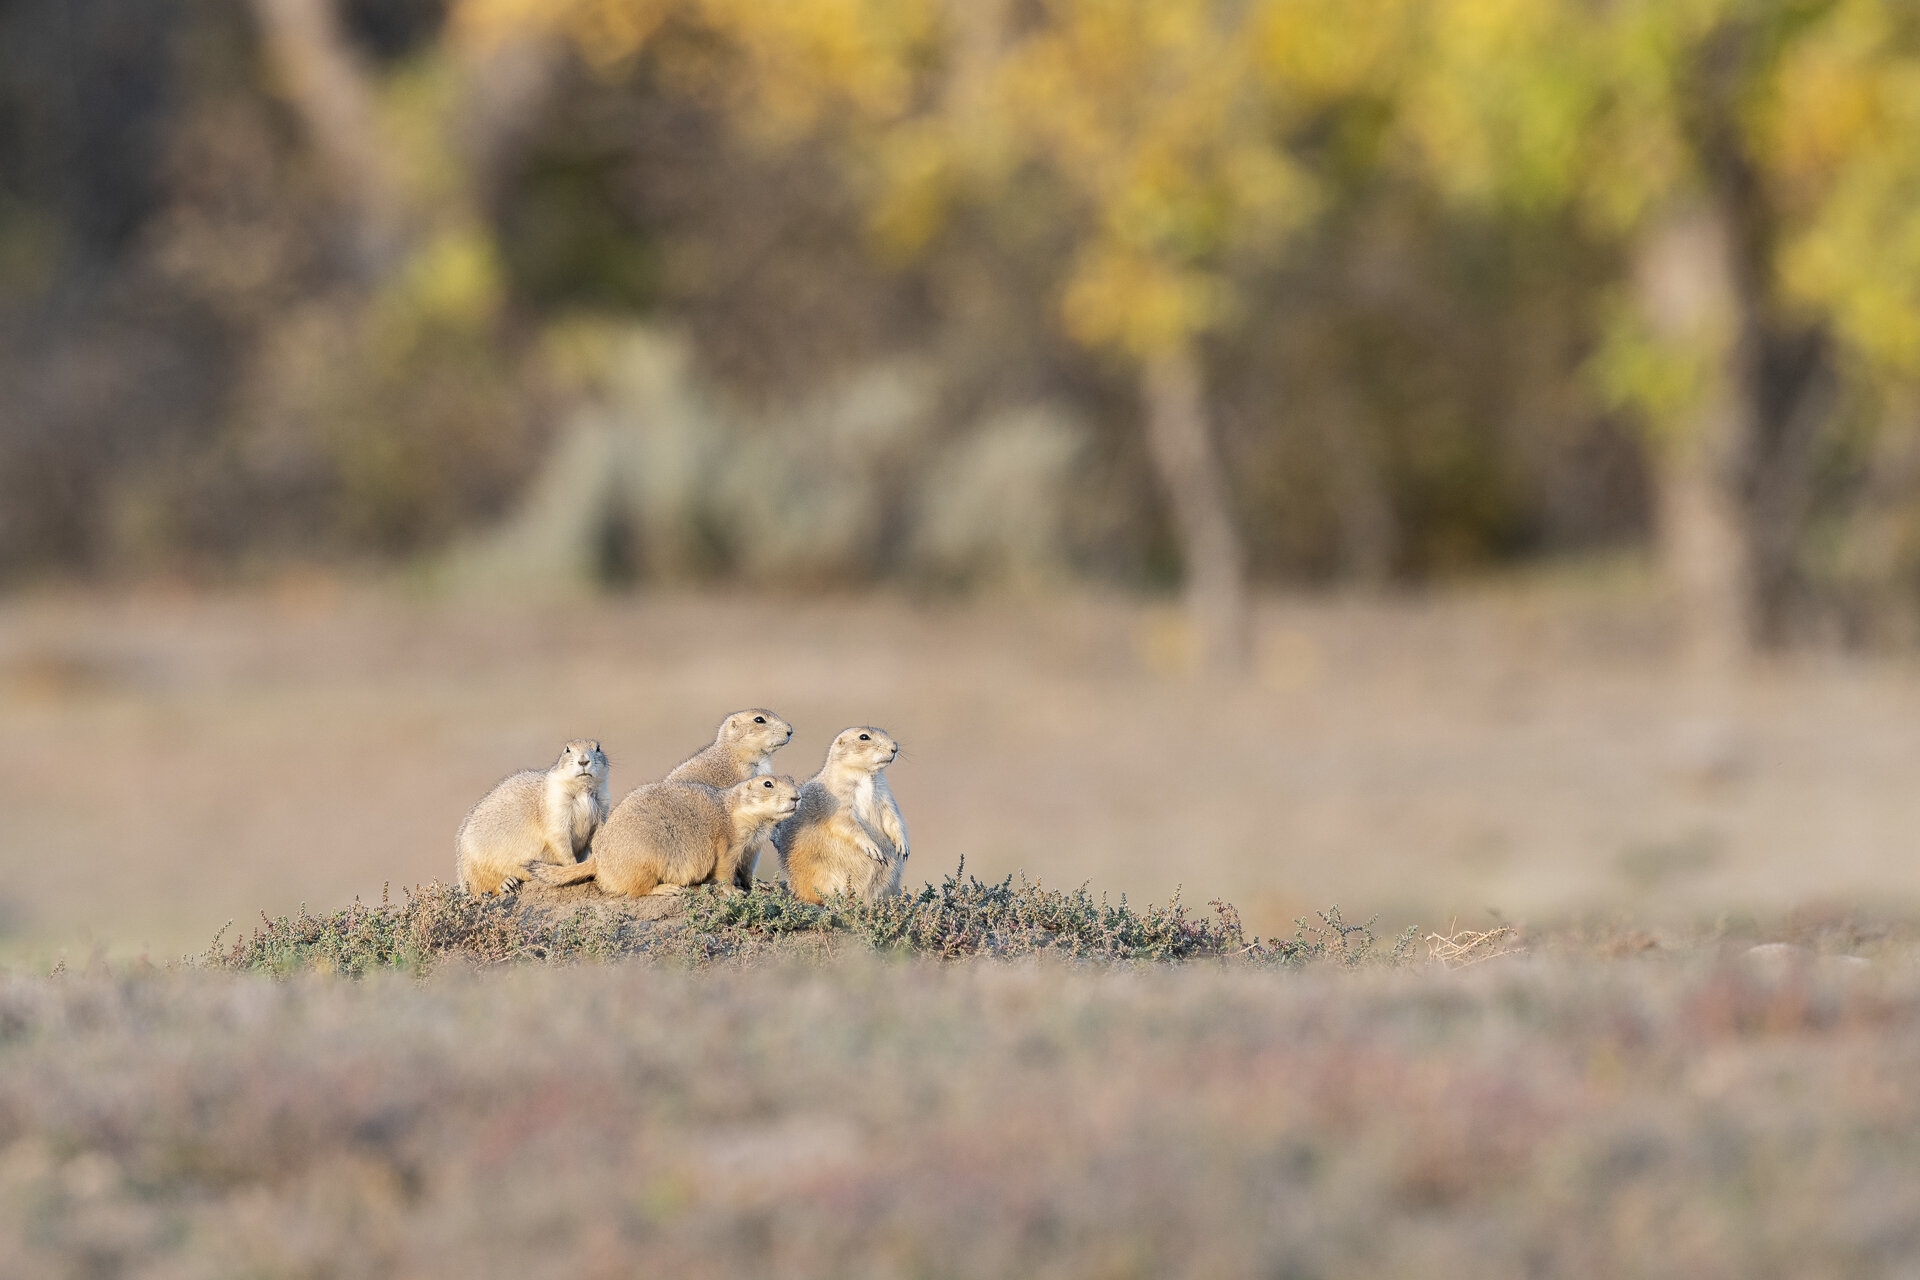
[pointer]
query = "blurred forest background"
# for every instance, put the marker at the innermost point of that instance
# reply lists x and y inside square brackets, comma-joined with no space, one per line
[919,361]
[959,292]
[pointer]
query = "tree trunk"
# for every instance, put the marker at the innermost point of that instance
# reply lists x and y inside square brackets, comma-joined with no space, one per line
[1180,442]
[1684,276]
[326,85]
[1732,466]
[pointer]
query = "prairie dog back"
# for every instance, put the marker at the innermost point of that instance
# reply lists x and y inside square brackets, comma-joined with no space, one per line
[533,817]
[666,836]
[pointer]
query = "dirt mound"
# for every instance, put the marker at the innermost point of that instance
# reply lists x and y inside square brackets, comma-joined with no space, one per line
[566,901]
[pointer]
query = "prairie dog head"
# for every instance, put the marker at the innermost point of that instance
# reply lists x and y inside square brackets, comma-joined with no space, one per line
[764,799]
[863,748]
[755,731]
[582,763]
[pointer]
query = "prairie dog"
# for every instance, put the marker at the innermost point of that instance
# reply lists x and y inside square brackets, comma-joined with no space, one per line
[847,835]
[742,749]
[533,817]
[666,836]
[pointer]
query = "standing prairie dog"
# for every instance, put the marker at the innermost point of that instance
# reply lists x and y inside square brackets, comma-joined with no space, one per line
[742,749]
[666,836]
[847,835]
[533,817]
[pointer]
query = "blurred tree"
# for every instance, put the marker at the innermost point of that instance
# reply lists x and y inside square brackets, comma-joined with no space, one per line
[403,382]
[319,73]
[1755,157]
[275,275]
[105,372]
[1167,125]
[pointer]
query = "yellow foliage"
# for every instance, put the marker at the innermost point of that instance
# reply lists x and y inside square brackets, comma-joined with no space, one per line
[804,55]
[1138,302]
[1829,100]
[608,33]
[451,284]
[1172,123]
[1594,106]
[417,107]
[1844,136]
[1325,49]
[917,182]
[1166,119]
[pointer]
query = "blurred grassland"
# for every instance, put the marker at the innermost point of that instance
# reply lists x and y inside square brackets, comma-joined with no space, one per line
[170,761]
[1678,1112]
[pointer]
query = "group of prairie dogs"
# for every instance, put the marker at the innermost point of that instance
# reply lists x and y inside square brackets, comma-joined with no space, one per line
[839,832]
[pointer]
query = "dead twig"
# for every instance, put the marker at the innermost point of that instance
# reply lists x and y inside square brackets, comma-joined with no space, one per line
[1458,948]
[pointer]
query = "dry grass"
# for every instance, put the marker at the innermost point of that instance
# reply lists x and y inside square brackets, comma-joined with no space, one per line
[1524,749]
[1458,948]
[990,1077]
[1683,1114]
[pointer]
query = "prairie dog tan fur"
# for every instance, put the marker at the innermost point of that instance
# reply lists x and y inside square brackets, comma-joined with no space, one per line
[533,817]
[666,836]
[847,836]
[743,748]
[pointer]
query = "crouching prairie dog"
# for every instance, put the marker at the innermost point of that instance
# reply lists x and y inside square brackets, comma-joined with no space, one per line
[743,748]
[667,836]
[531,818]
[847,835]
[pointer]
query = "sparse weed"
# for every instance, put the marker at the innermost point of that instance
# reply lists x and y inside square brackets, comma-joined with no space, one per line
[1350,945]
[1460,948]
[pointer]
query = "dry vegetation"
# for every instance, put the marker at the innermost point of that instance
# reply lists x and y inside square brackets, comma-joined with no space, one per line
[992,1077]
[1529,748]
[958,918]
[1685,1111]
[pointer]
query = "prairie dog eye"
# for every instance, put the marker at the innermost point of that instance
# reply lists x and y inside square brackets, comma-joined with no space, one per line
[767,785]
[866,737]
[759,719]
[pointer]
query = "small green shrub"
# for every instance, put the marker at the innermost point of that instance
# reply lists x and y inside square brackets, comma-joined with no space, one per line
[769,908]
[1330,938]
[965,916]
[436,922]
